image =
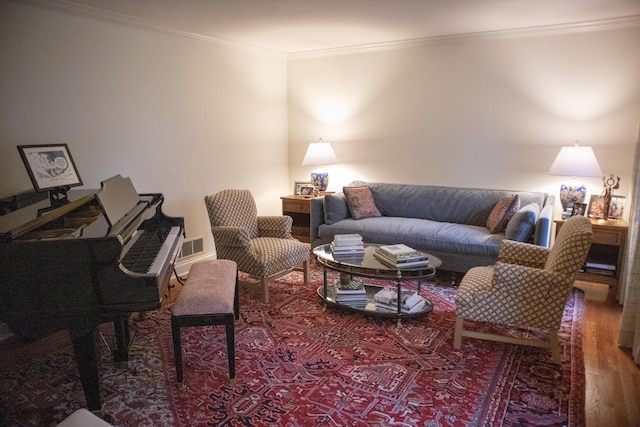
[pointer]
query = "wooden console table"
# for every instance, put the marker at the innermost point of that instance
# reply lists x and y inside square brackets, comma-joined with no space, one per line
[605,256]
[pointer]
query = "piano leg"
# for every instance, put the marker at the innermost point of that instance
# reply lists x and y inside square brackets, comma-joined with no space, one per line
[123,338]
[84,347]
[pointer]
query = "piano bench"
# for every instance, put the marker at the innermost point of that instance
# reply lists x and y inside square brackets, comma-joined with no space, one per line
[209,297]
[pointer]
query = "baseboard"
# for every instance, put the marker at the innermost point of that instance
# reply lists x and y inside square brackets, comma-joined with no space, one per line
[183,266]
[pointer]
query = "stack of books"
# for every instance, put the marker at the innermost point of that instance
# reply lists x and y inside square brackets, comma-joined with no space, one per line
[347,245]
[401,256]
[352,294]
[387,300]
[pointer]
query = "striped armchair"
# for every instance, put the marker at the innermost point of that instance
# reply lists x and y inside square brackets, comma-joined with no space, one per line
[527,287]
[262,246]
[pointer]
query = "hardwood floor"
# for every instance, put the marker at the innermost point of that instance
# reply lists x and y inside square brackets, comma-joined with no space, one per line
[612,379]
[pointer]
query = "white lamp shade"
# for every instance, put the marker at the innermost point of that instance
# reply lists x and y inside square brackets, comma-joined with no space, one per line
[576,161]
[319,153]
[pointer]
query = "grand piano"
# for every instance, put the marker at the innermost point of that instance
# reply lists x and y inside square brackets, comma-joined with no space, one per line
[92,257]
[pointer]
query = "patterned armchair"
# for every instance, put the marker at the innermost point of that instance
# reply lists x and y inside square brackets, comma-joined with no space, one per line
[262,246]
[527,287]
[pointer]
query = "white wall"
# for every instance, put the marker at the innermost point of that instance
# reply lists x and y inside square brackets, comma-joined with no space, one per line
[178,116]
[482,112]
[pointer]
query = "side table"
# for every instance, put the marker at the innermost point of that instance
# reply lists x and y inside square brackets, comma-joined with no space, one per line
[605,256]
[298,208]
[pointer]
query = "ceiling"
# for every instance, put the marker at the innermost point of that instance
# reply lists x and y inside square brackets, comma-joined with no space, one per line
[297,26]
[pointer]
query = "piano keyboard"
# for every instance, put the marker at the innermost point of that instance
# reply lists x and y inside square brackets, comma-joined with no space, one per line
[151,249]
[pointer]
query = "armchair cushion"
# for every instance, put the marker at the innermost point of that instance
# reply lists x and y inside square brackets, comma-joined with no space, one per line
[227,235]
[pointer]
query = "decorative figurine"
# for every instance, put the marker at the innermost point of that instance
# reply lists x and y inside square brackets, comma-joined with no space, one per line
[609,184]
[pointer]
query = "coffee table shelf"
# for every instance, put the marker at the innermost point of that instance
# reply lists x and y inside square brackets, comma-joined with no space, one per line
[369,266]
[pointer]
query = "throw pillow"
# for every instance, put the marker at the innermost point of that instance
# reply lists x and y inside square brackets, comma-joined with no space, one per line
[360,201]
[521,226]
[502,213]
[335,208]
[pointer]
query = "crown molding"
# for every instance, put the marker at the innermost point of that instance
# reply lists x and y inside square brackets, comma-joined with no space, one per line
[540,31]
[117,18]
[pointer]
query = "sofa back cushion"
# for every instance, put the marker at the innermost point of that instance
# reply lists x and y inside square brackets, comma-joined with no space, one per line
[335,208]
[446,204]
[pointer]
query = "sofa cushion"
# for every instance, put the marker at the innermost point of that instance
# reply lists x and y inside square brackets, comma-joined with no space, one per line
[335,208]
[361,203]
[503,211]
[520,227]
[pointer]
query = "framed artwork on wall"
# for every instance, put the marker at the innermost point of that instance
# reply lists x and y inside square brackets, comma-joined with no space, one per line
[50,166]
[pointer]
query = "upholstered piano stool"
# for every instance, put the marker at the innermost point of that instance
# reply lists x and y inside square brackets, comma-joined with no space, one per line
[209,297]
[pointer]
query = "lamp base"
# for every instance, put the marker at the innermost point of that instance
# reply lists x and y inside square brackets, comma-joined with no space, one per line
[571,193]
[320,179]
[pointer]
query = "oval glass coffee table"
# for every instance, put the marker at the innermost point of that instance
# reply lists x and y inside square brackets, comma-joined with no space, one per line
[368,266]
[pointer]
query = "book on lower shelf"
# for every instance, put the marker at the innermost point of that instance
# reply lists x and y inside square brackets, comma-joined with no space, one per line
[419,306]
[353,293]
[389,296]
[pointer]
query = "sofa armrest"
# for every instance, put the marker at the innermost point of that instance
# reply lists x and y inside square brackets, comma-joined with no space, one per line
[542,233]
[226,235]
[316,216]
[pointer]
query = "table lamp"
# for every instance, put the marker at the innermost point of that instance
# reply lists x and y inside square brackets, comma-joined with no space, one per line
[319,154]
[574,161]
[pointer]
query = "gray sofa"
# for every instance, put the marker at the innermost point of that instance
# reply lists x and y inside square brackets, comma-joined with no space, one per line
[447,222]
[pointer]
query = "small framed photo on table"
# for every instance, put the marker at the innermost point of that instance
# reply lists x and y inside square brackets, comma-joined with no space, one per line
[307,190]
[579,209]
[302,186]
[596,207]
[616,208]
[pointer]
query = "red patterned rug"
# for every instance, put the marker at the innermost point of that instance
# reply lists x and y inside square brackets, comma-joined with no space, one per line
[299,364]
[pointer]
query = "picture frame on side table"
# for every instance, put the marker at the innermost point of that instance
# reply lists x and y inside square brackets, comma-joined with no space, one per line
[616,208]
[307,190]
[596,207]
[579,209]
[298,185]
[50,166]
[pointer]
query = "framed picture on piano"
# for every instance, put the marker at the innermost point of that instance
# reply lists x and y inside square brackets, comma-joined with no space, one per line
[50,167]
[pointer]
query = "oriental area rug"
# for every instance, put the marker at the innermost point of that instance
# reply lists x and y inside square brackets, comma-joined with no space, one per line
[299,363]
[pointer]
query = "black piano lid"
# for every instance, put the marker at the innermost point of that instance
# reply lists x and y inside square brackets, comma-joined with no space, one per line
[34,215]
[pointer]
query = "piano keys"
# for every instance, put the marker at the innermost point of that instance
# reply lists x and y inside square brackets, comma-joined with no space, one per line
[95,257]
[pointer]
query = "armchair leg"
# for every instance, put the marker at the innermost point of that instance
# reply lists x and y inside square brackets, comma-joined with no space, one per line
[264,282]
[554,346]
[457,339]
[305,271]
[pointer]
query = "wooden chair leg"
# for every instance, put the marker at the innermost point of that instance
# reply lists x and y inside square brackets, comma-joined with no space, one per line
[457,339]
[236,300]
[554,346]
[177,347]
[305,271]
[264,282]
[231,347]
